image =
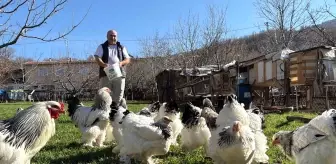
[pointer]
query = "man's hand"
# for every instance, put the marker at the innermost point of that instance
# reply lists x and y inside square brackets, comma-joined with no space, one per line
[100,62]
[124,62]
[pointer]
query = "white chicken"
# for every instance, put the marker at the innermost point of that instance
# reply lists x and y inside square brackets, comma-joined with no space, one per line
[117,113]
[232,144]
[256,116]
[144,138]
[24,135]
[311,143]
[151,110]
[195,132]
[92,121]
[233,111]
[171,110]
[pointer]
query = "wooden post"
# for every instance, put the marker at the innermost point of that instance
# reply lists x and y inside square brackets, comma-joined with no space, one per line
[266,91]
[309,98]
[327,101]
[287,81]
[296,98]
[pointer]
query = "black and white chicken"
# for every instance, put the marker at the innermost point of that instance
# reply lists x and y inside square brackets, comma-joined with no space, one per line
[232,144]
[25,134]
[144,138]
[116,115]
[171,110]
[92,121]
[210,114]
[311,143]
[234,111]
[195,132]
[151,110]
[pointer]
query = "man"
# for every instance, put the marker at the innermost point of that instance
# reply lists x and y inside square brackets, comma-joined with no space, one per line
[108,53]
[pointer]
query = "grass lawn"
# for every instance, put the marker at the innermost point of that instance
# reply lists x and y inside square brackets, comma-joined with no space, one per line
[64,147]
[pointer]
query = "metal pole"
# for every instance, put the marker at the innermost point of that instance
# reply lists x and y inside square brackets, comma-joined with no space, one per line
[237,85]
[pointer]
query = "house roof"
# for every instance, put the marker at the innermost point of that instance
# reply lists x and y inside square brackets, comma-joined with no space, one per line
[58,62]
[309,49]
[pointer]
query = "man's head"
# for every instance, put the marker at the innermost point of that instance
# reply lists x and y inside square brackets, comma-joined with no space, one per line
[112,36]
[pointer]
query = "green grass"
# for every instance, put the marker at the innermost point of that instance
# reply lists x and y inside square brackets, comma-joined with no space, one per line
[64,147]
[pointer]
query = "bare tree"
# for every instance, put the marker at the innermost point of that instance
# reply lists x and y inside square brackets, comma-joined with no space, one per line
[75,77]
[35,15]
[62,77]
[136,77]
[156,51]
[328,36]
[282,18]
[187,40]
[216,45]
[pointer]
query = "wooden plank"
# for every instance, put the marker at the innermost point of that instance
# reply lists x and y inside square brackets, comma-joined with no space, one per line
[304,61]
[293,72]
[327,100]
[274,70]
[309,57]
[293,66]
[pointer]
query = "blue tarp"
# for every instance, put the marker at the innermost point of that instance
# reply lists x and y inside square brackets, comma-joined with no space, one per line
[2,92]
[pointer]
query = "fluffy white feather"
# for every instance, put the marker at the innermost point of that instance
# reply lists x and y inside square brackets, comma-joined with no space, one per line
[151,110]
[24,135]
[195,132]
[116,117]
[311,143]
[171,110]
[110,133]
[210,115]
[144,138]
[233,111]
[92,121]
[232,144]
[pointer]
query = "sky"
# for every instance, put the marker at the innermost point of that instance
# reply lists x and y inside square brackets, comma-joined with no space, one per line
[134,20]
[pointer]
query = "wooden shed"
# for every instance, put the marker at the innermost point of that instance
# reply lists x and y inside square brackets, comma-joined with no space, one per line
[268,70]
[194,84]
[313,72]
[313,65]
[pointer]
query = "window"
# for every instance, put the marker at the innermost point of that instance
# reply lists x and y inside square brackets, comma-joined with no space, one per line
[42,72]
[84,71]
[59,72]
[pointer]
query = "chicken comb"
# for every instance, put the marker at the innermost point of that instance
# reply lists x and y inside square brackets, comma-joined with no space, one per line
[62,106]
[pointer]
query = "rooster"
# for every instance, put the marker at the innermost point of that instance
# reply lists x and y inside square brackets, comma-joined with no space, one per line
[171,110]
[195,132]
[311,143]
[144,138]
[24,135]
[92,121]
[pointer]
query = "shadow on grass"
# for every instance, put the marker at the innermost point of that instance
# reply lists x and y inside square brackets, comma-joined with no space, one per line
[93,155]
[54,147]
[100,156]
[283,124]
